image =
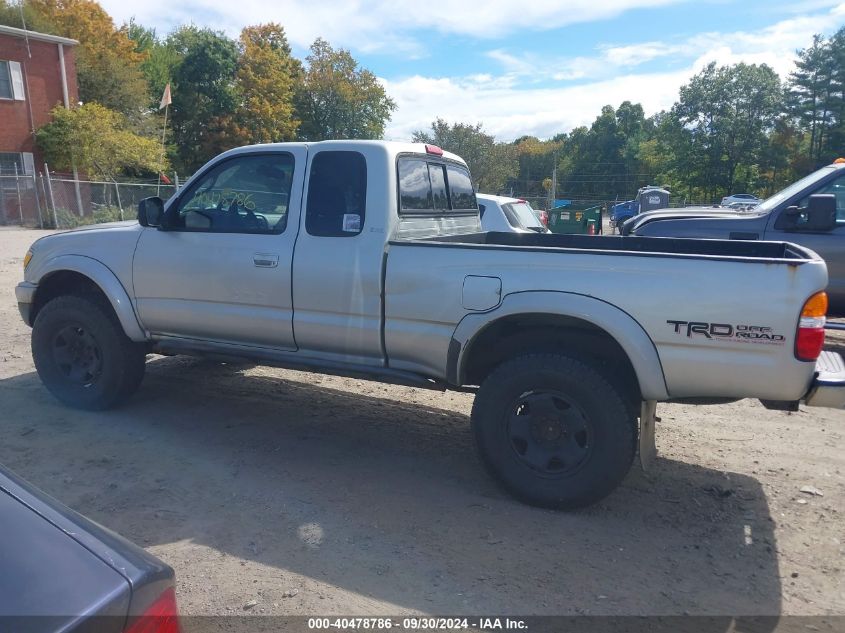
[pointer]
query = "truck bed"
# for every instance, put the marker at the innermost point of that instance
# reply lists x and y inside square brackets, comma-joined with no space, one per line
[631,245]
[658,286]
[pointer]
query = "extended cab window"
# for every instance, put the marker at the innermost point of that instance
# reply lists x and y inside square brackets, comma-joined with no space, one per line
[337,193]
[431,187]
[245,194]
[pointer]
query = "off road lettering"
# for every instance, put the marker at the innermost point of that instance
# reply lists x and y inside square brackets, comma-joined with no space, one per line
[745,333]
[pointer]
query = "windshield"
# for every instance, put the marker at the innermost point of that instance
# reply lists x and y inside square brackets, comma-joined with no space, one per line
[520,215]
[770,203]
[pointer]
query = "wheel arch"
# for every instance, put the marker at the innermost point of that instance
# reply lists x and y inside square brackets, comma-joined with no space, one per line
[547,320]
[77,274]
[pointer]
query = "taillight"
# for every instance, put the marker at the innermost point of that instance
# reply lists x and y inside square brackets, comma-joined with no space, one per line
[544,217]
[810,338]
[433,149]
[161,616]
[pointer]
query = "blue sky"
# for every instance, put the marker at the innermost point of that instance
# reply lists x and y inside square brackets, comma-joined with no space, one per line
[522,66]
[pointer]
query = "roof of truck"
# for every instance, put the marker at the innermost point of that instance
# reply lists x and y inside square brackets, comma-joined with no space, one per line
[392,147]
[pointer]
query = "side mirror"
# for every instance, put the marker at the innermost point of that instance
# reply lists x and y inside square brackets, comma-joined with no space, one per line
[818,217]
[821,212]
[151,211]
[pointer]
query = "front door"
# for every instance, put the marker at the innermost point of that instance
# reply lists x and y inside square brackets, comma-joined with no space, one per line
[220,269]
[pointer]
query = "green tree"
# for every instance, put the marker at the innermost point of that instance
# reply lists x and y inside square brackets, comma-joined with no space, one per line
[160,59]
[267,78]
[536,161]
[338,99]
[491,164]
[98,141]
[810,92]
[603,161]
[204,93]
[728,112]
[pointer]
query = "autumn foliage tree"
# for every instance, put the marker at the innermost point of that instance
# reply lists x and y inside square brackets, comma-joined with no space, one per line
[267,79]
[108,64]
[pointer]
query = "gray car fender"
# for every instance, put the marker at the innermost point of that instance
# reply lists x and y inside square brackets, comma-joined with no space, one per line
[107,281]
[630,335]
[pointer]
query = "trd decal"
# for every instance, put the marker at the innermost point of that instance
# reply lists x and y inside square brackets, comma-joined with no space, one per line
[740,333]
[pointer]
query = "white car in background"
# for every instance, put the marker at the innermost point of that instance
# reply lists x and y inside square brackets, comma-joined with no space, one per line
[744,198]
[509,215]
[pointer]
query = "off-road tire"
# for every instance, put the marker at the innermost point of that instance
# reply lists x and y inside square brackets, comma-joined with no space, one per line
[83,356]
[596,457]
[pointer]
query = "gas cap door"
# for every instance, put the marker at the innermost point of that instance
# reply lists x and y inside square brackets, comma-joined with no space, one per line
[481,293]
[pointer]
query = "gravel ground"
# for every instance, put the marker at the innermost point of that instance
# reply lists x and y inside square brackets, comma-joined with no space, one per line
[316,495]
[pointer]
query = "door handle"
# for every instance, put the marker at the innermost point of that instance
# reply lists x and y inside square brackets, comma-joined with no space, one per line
[265,260]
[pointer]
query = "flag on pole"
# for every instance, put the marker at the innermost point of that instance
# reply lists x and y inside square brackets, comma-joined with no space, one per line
[165,98]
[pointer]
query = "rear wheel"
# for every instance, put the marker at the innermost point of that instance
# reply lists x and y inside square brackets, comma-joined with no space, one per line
[553,431]
[83,356]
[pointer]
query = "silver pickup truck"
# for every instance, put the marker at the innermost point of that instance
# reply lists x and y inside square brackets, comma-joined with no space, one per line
[366,259]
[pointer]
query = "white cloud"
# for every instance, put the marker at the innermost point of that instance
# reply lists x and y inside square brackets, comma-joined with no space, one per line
[513,104]
[507,113]
[368,25]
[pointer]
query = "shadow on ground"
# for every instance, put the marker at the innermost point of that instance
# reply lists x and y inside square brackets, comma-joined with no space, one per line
[385,500]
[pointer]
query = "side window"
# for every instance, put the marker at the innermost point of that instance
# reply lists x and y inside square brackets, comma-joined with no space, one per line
[245,194]
[837,188]
[460,188]
[337,194]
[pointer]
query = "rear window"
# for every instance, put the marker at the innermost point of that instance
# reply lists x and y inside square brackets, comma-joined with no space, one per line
[460,186]
[431,187]
[521,215]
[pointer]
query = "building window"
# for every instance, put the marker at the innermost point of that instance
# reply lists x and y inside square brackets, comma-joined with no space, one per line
[5,81]
[9,161]
[11,81]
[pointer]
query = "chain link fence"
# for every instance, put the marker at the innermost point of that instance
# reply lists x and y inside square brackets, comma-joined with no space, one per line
[52,200]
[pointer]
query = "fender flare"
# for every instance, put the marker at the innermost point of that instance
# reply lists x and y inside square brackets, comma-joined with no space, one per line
[106,280]
[624,328]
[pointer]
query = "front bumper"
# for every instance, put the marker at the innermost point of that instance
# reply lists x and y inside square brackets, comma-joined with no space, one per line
[25,294]
[828,388]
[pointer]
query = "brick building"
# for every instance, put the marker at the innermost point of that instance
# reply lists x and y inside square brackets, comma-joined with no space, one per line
[37,72]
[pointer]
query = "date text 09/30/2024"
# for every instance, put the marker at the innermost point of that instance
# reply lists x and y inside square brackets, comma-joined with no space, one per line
[418,624]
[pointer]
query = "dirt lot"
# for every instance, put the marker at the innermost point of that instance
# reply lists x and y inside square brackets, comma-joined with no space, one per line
[318,495]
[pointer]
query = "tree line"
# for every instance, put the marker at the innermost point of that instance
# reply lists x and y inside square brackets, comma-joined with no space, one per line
[225,92]
[733,128]
[737,128]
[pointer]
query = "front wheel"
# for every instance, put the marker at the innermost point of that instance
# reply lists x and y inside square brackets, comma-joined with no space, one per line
[553,431]
[83,356]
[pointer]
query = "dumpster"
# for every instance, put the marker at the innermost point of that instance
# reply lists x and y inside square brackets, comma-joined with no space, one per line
[582,221]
